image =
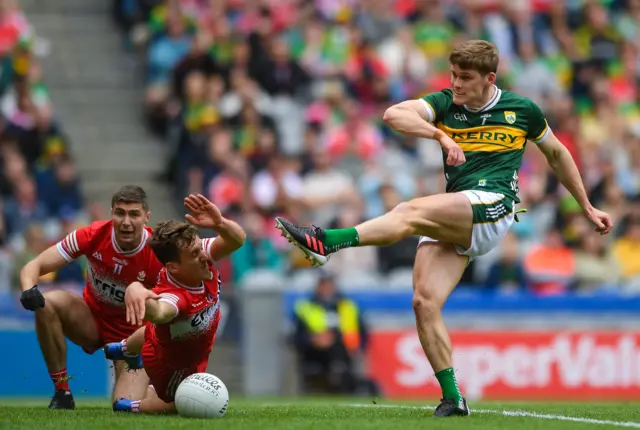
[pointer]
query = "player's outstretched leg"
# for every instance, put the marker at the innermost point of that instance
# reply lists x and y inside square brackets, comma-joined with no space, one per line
[127,350]
[444,217]
[438,269]
[65,315]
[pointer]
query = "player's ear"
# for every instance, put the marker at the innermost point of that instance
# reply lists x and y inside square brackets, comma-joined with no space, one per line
[147,217]
[491,78]
[172,267]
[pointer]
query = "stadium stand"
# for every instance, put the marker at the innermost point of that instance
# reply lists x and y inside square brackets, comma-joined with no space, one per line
[271,104]
[39,183]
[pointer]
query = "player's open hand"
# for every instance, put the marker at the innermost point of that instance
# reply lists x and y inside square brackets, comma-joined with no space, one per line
[203,213]
[455,154]
[135,297]
[600,219]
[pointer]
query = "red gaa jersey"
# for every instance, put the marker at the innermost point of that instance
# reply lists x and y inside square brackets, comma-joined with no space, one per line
[188,338]
[110,271]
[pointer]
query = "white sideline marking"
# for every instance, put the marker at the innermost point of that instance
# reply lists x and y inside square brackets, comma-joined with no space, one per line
[506,413]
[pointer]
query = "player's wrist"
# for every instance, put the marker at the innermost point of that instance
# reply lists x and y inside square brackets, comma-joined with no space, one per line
[221,227]
[588,209]
[439,135]
[29,286]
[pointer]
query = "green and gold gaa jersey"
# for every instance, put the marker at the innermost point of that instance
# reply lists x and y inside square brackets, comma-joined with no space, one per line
[492,138]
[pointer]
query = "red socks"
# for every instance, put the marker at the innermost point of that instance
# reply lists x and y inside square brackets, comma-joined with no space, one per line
[60,380]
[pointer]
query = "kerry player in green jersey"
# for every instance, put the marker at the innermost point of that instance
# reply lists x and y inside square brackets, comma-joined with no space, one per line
[483,131]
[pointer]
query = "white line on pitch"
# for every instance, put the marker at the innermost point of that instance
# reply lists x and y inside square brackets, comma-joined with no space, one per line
[506,413]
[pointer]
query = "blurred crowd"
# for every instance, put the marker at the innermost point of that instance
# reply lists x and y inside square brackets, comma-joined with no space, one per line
[274,107]
[40,197]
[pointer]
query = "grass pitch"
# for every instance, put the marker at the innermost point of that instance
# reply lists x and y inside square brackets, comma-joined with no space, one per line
[338,414]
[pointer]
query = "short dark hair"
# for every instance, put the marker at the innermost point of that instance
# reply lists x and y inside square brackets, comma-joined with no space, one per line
[169,237]
[130,194]
[478,55]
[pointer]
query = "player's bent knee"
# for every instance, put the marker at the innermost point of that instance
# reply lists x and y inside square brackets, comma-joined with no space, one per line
[53,301]
[408,214]
[426,305]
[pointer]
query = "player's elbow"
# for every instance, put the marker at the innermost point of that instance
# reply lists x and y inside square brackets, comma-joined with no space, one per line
[392,114]
[242,238]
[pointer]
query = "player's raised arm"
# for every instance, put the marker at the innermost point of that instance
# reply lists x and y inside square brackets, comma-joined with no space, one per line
[414,118]
[207,215]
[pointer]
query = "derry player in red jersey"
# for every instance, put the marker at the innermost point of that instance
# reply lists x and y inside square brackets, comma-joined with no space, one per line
[182,322]
[117,255]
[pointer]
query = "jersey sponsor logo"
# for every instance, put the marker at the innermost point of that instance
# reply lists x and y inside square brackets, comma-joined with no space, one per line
[97,256]
[196,324]
[107,290]
[485,136]
[205,317]
[510,116]
[460,117]
[118,260]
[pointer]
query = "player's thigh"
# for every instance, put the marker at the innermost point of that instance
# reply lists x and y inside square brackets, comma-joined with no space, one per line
[130,384]
[437,270]
[444,217]
[78,323]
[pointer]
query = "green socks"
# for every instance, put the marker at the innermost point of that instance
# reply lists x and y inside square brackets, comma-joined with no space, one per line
[449,385]
[340,238]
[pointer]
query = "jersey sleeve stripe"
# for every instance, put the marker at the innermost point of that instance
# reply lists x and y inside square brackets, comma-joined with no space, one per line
[64,253]
[544,134]
[74,242]
[68,243]
[170,297]
[431,112]
[206,245]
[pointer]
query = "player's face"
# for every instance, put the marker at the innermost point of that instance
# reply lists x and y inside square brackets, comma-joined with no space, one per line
[469,86]
[193,266]
[129,220]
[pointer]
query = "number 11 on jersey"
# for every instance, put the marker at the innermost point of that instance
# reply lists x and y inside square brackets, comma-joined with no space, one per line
[117,269]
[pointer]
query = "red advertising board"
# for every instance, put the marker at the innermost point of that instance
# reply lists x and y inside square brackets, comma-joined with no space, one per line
[509,365]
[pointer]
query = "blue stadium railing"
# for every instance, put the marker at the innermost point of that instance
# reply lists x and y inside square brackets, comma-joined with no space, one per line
[466,299]
[463,299]
[29,378]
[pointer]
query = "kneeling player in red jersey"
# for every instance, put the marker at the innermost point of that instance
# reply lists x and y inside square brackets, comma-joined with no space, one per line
[182,322]
[117,255]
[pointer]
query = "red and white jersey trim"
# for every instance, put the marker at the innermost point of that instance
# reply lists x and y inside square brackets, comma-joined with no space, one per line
[199,289]
[206,245]
[70,242]
[140,247]
[172,299]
